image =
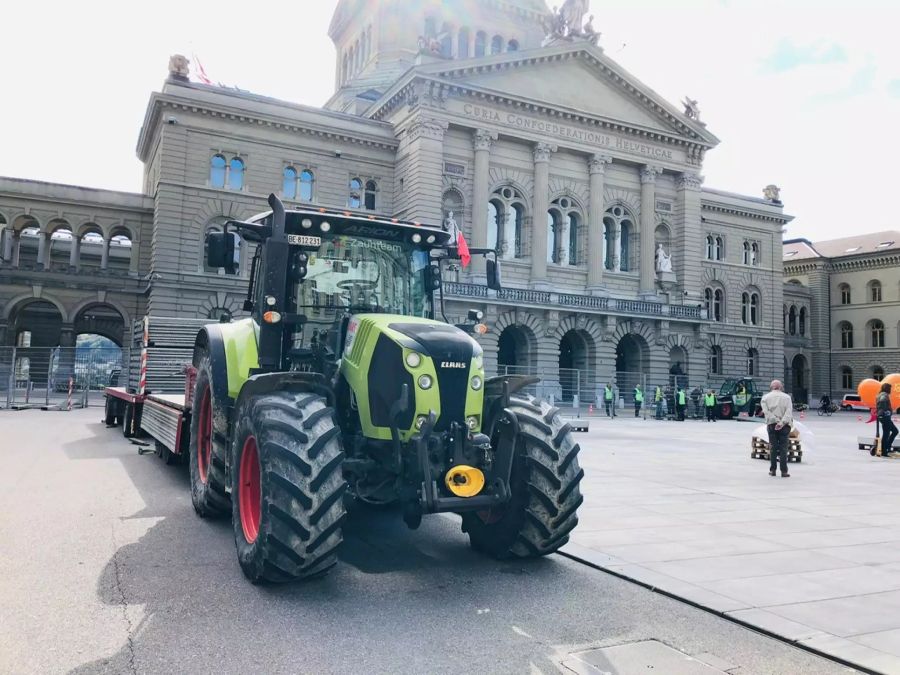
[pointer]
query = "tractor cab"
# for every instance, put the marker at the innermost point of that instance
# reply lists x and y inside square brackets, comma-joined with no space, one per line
[739,395]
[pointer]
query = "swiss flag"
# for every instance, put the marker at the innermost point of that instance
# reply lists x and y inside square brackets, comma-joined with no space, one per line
[463,248]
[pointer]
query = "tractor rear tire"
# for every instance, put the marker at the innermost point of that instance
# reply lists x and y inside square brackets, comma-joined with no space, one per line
[544,484]
[207,461]
[287,487]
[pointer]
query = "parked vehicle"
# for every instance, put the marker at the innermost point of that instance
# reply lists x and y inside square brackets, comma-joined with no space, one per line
[344,388]
[853,402]
[738,396]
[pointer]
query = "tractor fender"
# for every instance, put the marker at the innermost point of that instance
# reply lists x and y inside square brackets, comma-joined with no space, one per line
[291,381]
[232,349]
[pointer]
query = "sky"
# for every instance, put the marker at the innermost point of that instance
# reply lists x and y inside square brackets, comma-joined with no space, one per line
[804,94]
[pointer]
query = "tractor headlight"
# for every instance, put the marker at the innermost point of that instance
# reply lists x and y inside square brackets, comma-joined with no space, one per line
[476,383]
[414,359]
[472,423]
[417,238]
[425,382]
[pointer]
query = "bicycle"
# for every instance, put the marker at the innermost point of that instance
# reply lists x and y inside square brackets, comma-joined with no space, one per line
[828,410]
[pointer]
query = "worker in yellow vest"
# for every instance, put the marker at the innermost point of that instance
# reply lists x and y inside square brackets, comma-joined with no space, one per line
[638,400]
[608,397]
[658,399]
[710,401]
[681,397]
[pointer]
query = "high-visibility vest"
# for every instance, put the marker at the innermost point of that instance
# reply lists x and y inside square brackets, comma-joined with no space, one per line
[638,395]
[681,400]
[608,393]
[710,400]
[659,395]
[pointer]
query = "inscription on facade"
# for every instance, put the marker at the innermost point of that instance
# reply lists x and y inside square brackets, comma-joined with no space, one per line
[453,169]
[566,132]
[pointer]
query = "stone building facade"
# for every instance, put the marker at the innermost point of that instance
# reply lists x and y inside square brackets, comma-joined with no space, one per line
[523,131]
[841,311]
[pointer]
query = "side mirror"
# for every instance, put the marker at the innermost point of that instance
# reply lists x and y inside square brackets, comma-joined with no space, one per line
[220,250]
[493,273]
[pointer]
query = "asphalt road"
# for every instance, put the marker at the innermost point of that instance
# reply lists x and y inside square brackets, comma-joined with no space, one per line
[104,568]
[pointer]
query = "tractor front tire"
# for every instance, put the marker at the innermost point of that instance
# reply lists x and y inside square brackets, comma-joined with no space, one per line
[207,465]
[544,484]
[287,487]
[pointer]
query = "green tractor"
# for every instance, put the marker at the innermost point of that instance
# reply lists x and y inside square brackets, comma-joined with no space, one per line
[343,388]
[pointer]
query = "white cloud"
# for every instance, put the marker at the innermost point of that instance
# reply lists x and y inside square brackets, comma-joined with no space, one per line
[823,131]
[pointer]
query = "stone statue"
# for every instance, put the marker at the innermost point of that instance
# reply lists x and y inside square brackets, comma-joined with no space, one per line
[567,22]
[691,109]
[178,67]
[663,260]
[451,226]
[772,193]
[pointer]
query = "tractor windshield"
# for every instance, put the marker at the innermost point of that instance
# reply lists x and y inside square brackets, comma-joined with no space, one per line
[350,275]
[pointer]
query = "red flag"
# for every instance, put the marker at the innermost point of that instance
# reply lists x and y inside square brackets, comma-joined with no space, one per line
[872,418]
[201,72]
[463,248]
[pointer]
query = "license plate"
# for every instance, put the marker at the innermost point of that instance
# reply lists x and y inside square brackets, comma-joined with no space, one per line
[304,240]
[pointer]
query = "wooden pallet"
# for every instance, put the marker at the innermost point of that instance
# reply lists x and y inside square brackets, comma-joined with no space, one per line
[759,449]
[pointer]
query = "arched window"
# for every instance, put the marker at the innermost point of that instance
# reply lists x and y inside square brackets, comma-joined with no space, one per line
[480,43]
[876,332]
[875,291]
[792,320]
[462,44]
[236,174]
[845,294]
[355,199]
[877,373]
[752,361]
[289,188]
[803,322]
[574,233]
[715,303]
[512,46]
[217,171]
[494,224]
[618,224]
[710,247]
[371,190]
[306,185]
[754,253]
[754,309]
[750,310]
[506,218]
[846,329]
[496,44]
[746,258]
[715,360]
[555,242]
[720,248]
[847,378]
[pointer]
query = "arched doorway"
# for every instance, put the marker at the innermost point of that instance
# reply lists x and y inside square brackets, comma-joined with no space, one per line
[101,320]
[799,383]
[35,328]
[575,359]
[632,355]
[514,352]
[678,366]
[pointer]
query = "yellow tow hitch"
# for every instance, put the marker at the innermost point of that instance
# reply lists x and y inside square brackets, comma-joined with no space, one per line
[464,481]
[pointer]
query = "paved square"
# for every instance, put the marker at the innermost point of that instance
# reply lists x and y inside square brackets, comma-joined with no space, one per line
[815,558]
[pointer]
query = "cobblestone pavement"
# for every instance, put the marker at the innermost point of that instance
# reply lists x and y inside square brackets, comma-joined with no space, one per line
[814,558]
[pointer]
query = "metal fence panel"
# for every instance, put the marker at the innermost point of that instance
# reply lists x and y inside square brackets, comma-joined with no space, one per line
[56,377]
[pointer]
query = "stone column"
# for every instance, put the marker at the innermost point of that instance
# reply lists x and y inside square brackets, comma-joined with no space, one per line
[689,237]
[43,256]
[104,258]
[597,165]
[134,268]
[617,249]
[14,241]
[648,228]
[483,141]
[539,205]
[564,231]
[75,253]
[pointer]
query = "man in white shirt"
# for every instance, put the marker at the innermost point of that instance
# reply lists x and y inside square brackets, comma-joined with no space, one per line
[778,408]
